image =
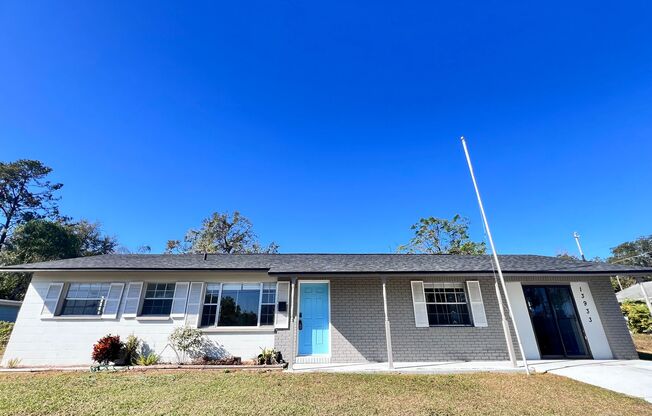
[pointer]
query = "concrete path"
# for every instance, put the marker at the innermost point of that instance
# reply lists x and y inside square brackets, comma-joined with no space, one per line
[631,377]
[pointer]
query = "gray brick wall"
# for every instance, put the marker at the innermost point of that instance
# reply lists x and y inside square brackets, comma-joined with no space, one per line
[358,331]
[613,321]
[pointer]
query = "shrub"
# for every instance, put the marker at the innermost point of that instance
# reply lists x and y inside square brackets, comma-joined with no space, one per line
[269,356]
[148,359]
[5,332]
[107,349]
[189,341]
[13,363]
[207,360]
[130,350]
[638,316]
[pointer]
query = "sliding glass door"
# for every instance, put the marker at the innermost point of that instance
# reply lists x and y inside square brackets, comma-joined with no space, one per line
[555,322]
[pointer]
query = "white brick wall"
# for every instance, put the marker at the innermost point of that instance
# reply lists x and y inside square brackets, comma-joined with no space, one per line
[61,341]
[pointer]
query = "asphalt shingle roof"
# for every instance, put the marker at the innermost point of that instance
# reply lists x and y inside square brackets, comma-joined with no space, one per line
[334,263]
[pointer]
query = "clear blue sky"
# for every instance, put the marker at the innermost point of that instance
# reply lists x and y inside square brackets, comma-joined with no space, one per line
[334,125]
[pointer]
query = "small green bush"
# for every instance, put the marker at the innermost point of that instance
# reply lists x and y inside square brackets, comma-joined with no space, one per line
[189,341]
[5,332]
[130,350]
[638,316]
[148,359]
[13,363]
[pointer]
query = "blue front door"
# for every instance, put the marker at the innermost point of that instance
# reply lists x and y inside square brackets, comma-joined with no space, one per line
[313,313]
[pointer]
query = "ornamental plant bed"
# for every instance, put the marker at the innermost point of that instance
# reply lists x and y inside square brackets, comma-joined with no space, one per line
[223,367]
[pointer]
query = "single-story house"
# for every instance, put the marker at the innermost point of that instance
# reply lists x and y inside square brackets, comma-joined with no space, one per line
[9,309]
[640,292]
[321,308]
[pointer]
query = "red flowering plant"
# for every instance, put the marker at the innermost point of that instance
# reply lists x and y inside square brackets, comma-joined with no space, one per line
[107,349]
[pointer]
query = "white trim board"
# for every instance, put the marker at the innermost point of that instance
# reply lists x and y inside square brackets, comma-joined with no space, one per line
[523,321]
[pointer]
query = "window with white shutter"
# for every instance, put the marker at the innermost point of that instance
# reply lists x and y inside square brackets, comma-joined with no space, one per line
[446,304]
[112,301]
[51,301]
[179,300]
[477,306]
[132,301]
[419,303]
[84,299]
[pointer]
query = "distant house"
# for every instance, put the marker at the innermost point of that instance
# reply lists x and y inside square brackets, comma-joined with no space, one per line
[9,310]
[323,308]
[635,292]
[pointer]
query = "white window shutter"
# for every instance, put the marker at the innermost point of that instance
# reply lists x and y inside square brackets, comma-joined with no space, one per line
[179,300]
[283,295]
[132,302]
[193,310]
[477,306]
[51,301]
[112,301]
[419,303]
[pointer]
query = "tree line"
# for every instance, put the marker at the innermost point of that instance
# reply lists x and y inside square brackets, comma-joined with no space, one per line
[34,230]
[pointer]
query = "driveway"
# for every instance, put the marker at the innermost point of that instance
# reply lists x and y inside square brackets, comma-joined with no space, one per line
[632,377]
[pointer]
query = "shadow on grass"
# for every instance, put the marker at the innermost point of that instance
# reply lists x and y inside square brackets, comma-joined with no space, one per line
[645,355]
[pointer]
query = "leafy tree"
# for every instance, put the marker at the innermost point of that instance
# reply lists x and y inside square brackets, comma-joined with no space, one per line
[25,194]
[43,240]
[441,236]
[633,253]
[91,240]
[567,255]
[221,233]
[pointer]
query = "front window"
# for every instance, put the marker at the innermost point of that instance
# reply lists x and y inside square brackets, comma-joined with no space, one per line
[158,299]
[446,304]
[85,299]
[239,304]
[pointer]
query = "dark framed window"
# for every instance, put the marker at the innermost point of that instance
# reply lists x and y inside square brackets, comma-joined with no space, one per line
[268,304]
[158,299]
[211,303]
[85,299]
[239,304]
[447,304]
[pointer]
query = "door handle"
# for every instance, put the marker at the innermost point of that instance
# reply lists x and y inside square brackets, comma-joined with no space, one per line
[300,324]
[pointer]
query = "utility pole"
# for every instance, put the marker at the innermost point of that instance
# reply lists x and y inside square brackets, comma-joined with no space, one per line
[508,336]
[579,246]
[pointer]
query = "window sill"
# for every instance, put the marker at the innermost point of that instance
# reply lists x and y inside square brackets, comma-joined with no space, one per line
[72,318]
[238,329]
[153,318]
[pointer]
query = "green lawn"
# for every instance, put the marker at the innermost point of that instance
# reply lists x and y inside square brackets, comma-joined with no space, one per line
[240,393]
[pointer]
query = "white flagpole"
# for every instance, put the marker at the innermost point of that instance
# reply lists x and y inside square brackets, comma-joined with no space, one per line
[500,274]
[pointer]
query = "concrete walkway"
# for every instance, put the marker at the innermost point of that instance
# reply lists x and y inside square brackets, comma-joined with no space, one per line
[631,377]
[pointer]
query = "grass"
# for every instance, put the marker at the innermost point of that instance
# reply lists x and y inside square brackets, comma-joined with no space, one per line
[240,393]
[643,344]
